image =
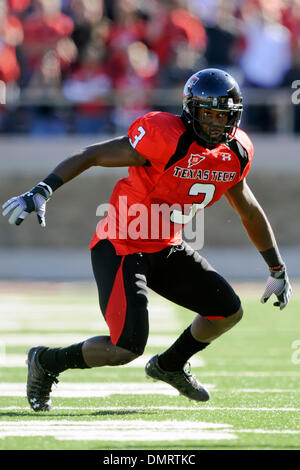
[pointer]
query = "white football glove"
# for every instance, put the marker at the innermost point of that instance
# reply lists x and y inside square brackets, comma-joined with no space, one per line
[32,201]
[278,283]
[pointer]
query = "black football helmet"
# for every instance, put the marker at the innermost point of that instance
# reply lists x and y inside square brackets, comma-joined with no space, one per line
[217,90]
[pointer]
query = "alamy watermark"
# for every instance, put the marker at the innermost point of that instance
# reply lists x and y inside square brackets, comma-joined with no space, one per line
[151,223]
[2,92]
[296,353]
[296,93]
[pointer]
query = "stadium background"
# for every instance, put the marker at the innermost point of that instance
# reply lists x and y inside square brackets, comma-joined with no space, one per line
[80,71]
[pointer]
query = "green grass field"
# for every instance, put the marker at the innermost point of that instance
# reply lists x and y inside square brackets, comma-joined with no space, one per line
[252,373]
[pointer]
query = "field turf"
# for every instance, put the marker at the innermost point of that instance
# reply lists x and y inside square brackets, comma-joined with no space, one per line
[252,373]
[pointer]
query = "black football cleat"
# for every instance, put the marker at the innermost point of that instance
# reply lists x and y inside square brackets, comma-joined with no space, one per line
[39,381]
[182,380]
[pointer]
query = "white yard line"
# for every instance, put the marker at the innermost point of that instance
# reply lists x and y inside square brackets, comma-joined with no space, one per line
[130,430]
[268,431]
[18,360]
[104,389]
[88,390]
[119,430]
[193,408]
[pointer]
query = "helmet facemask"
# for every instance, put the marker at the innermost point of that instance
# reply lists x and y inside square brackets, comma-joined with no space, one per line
[192,110]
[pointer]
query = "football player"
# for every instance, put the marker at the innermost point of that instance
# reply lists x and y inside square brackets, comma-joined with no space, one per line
[188,162]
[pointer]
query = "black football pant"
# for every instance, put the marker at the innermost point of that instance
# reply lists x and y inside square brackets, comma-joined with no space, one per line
[177,273]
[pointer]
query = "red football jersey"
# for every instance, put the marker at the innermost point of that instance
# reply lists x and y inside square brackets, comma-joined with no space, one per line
[148,209]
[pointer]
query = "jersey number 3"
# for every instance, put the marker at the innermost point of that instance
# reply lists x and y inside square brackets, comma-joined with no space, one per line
[138,137]
[177,217]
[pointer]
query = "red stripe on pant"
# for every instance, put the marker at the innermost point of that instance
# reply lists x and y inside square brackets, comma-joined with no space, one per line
[116,306]
[214,318]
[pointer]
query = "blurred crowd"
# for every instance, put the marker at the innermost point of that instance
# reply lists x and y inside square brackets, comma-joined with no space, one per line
[89,66]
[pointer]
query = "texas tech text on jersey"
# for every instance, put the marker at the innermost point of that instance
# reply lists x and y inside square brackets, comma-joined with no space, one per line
[204,175]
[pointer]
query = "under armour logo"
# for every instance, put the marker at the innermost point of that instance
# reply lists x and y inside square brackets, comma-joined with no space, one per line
[226,156]
[29,194]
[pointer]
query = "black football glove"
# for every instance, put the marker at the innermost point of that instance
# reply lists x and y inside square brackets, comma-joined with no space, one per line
[32,201]
[278,283]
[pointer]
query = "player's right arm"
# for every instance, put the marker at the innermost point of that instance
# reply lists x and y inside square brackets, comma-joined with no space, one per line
[117,152]
[112,153]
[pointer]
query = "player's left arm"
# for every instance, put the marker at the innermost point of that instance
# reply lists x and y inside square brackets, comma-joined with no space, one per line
[260,232]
